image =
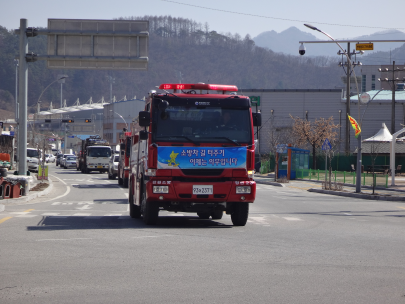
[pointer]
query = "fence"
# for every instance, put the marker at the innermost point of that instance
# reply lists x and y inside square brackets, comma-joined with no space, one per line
[380,180]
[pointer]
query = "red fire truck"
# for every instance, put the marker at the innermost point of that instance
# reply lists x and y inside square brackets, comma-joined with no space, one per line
[194,152]
[123,164]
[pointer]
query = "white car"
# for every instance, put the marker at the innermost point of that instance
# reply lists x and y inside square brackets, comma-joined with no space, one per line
[113,166]
[69,162]
[50,158]
[63,159]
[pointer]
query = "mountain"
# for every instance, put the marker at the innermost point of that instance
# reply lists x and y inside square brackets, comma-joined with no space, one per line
[287,42]
[177,46]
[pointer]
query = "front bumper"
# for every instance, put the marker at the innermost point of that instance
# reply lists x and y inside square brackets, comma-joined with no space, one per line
[183,191]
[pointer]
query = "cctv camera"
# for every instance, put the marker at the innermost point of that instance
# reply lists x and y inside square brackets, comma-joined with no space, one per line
[301,50]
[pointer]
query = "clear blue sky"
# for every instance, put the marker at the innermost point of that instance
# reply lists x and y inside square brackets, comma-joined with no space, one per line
[362,17]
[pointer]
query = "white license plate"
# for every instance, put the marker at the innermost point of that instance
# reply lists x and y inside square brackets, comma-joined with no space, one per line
[203,189]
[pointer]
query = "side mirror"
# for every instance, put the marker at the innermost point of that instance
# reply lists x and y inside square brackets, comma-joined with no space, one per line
[257,119]
[143,135]
[144,119]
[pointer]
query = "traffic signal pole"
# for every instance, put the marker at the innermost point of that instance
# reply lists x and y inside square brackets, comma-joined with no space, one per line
[22,105]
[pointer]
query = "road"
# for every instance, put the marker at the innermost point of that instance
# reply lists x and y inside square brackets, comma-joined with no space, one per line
[78,245]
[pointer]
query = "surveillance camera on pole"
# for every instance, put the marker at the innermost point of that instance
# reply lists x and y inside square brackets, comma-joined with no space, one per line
[301,49]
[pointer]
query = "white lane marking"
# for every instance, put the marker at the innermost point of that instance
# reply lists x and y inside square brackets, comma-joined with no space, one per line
[27,215]
[72,239]
[348,213]
[113,214]
[50,214]
[150,236]
[82,214]
[259,219]
[66,193]
[126,194]
[292,218]
[173,214]
[85,207]
[14,212]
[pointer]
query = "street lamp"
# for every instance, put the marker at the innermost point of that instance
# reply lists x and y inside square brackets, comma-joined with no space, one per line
[121,118]
[358,169]
[59,78]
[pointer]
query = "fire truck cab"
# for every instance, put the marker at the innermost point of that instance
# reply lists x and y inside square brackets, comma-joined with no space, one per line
[194,152]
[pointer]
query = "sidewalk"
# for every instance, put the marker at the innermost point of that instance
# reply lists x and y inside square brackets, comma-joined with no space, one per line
[392,193]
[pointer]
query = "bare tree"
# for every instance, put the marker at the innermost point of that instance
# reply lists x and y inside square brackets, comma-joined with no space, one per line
[313,133]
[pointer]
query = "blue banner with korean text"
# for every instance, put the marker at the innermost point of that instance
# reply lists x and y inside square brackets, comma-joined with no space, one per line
[201,157]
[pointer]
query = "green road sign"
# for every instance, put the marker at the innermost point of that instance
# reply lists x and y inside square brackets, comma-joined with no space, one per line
[255,100]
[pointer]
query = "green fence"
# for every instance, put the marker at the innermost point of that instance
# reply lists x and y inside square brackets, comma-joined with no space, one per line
[380,180]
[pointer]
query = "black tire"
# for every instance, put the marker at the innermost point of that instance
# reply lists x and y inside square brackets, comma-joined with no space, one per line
[120,181]
[134,210]
[150,211]
[203,215]
[87,171]
[217,214]
[109,176]
[125,183]
[240,213]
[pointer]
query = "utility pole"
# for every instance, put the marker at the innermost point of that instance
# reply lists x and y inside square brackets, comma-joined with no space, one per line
[392,82]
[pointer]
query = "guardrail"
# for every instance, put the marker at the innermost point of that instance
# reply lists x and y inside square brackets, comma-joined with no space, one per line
[380,180]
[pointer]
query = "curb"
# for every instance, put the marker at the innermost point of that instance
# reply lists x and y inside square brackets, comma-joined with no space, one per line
[260,181]
[27,198]
[358,195]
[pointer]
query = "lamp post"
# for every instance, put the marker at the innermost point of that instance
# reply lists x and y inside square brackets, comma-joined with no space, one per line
[121,118]
[16,107]
[358,169]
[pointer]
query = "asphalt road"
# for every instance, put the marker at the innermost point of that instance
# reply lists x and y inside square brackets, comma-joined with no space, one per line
[78,245]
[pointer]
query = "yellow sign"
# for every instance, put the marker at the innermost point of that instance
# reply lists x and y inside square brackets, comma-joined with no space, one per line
[364,46]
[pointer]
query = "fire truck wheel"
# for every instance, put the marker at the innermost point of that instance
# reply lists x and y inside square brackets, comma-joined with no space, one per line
[125,183]
[203,215]
[134,210]
[150,212]
[120,181]
[240,213]
[217,214]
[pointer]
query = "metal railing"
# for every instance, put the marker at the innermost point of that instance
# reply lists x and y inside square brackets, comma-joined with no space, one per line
[380,180]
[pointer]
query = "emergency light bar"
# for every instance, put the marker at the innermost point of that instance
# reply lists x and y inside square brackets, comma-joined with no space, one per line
[198,86]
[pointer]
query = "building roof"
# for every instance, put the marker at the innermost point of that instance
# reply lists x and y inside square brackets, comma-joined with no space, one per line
[383,96]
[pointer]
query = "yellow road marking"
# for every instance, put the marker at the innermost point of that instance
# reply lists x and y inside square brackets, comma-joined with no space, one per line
[5,219]
[29,210]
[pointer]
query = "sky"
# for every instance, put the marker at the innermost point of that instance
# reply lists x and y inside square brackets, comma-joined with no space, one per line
[225,16]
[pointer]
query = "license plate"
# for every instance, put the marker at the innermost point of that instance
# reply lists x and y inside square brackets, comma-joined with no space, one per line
[99,166]
[203,189]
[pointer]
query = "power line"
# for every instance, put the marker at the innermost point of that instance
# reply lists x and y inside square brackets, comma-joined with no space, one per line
[283,19]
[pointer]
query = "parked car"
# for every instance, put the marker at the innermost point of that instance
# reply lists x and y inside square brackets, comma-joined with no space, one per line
[33,156]
[69,162]
[113,166]
[58,158]
[63,159]
[50,158]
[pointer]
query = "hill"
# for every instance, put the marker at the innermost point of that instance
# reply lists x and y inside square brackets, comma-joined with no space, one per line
[177,47]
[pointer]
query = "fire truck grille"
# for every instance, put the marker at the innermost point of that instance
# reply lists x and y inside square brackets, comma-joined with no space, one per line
[202,172]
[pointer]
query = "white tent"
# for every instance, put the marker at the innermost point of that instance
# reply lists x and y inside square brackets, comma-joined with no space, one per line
[382,135]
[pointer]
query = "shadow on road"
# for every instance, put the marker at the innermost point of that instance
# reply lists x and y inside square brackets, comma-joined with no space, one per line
[51,223]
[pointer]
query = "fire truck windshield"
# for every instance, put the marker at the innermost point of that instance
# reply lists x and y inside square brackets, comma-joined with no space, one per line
[203,124]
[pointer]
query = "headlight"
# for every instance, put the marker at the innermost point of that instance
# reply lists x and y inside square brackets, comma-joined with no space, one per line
[243,189]
[160,189]
[150,172]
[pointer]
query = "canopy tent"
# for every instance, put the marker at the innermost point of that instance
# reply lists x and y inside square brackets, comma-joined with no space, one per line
[382,135]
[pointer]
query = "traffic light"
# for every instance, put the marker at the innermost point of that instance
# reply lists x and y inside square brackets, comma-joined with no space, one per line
[87,120]
[68,120]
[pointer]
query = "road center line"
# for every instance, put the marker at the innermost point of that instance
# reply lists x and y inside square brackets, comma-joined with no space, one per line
[5,219]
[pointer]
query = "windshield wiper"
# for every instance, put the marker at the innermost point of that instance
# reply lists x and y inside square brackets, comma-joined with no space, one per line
[227,138]
[188,138]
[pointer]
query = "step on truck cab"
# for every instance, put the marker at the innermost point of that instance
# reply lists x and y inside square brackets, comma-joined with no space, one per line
[194,152]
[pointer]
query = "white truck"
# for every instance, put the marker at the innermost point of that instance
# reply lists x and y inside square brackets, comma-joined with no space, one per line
[94,155]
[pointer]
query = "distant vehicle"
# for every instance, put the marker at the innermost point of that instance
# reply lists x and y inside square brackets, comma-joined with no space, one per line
[58,158]
[33,156]
[50,158]
[63,159]
[113,166]
[94,156]
[70,162]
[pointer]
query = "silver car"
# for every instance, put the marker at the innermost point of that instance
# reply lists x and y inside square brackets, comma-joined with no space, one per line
[113,166]
[70,162]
